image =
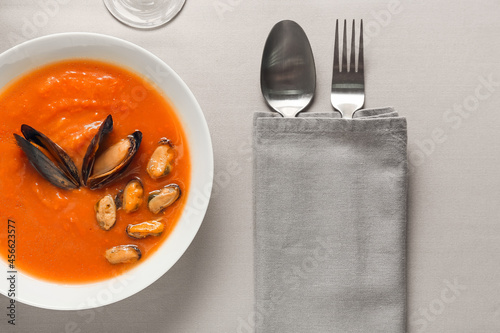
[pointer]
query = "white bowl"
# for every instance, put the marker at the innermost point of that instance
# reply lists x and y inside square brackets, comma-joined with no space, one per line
[40,51]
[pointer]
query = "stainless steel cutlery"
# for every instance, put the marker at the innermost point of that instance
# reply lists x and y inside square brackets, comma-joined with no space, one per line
[288,73]
[348,82]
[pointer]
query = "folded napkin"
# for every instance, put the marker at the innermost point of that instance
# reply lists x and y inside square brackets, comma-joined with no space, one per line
[330,222]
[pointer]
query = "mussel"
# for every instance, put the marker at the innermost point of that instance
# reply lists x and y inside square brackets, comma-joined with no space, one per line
[123,254]
[101,169]
[131,197]
[48,158]
[160,163]
[161,199]
[105,212]
[145,229]
[55,165]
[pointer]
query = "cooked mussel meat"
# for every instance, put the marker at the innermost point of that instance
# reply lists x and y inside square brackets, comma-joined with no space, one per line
[123,254]
[145,229]
[105,212]
[161,199]
[131,197]
[48,158]
[101,169]
[160,163]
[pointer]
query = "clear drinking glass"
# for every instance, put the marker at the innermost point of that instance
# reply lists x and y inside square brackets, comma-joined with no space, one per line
[144,14]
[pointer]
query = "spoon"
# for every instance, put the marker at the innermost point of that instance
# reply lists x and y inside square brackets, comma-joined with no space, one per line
[288,74]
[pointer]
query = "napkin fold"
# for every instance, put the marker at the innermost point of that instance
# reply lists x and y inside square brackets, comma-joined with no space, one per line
[330,200]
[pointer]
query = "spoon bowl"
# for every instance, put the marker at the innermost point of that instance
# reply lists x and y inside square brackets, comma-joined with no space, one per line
[288,73]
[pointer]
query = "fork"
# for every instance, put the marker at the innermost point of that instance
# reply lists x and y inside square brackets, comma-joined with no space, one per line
[348,84]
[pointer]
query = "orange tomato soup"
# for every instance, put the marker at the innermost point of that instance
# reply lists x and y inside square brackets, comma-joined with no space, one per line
[57,236]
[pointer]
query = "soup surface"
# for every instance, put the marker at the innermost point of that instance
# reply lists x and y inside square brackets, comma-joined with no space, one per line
[57,236]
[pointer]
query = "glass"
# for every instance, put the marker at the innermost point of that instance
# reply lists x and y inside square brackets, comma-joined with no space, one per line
[144,14]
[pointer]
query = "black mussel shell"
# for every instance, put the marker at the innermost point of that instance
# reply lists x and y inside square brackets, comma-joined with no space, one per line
[99,180]
[54,164]
[58,168]
[89,159]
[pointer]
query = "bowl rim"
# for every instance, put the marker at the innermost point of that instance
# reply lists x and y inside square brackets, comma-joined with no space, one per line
[207,177]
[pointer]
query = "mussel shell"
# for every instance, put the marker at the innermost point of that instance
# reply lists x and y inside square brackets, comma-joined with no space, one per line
[89,159]
[97,181]
[60,170]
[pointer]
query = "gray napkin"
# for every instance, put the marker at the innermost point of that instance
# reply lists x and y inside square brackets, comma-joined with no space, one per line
[330,222]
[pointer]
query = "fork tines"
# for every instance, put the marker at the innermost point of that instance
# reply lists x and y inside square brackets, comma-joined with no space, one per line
[348,83]
[344,48]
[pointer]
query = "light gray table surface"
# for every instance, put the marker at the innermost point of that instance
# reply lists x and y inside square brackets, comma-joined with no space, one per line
[437,62]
